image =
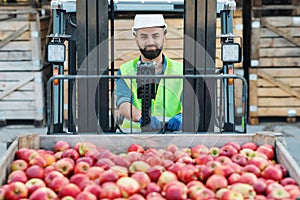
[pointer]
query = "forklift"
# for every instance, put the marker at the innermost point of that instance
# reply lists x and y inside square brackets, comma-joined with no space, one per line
[84,27]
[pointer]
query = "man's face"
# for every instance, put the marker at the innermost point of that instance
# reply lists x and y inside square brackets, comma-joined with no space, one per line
[150,41]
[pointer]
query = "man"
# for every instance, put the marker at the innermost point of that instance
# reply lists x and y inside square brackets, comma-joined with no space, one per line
[150,35]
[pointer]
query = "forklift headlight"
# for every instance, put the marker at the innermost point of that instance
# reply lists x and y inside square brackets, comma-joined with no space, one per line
[231,52]
[56,53]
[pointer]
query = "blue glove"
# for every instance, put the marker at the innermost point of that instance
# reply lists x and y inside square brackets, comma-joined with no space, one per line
[175,123]
[154,124]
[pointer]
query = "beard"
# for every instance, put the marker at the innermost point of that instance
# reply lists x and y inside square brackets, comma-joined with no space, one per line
[151,54]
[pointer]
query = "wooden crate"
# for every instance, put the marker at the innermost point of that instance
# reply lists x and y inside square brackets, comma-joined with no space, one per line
[276,42]
[22,95]
[274,92]
[22,39]
[275,8]
[119,143]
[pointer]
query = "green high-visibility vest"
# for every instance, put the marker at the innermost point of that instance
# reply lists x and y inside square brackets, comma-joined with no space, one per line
[167,100]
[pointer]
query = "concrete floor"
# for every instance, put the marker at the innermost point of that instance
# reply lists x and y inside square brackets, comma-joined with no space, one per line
[291,133]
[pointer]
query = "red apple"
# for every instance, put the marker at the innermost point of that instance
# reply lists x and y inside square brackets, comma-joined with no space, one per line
[16,190]
[278,193]
[142,178]
[260,162]
[283,170]
[239,159]
[84,148]
[221,192]
[136,197]
[2,193]
[68,198]
[175,190]
[50,159]
[134,156]
[213,164]
[152,160]
[272,172]
[70,153]
[108,176]
[80,180]
[139,166]
[65,166]
[61,146]
[288,181]
[136,147]
[223,159]
[86,159]
[236,145]
[17,176]
[155,171]
[248,178]
[204,172]
[203,159]
[224,170]
[110,190]
[35,171]
[69,190]
[51,176]
[166,177]
[84,195]
[38,160]
[215,182]
[128,186]
[172,147]
[81,167]
[121,161]
[267,150]
[105,163]
[34,183]
[94,189]
[253,169]
[120,171]
[94,172]
[19,164]
[260,186]
[188,173]
[58,182]
[232,195]
[233,178]
[249,153]
[249,145]
[199,149]
[43,193]
[152,187]
[175,167]
[245,189]
[228,150]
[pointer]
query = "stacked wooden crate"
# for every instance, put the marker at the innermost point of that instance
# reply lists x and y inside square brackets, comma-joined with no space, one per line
[274,76]
[22,75]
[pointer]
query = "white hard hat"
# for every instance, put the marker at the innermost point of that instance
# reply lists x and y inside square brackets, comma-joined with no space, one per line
[148,21]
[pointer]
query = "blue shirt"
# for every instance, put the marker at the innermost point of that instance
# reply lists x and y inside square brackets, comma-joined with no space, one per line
[123,93]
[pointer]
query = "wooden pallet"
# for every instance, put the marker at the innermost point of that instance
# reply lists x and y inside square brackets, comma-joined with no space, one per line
[275,8]
[22,95]
[22,39]
[274,92]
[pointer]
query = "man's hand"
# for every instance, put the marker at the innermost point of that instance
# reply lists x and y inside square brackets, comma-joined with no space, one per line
[175,123]
[154,124]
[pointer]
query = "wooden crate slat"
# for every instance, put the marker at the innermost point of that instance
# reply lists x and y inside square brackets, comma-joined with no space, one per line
[25,36]
[272,92]
[279,52]
[19,114]
[19,65]
[293,31]
[20,96]
[9,25]
[17,45]
[14,35]
[279,102]
[284,21]
[15,55]
[16,105]
[279,62]
[276,111]
[293,82]
[275,42]
[4,84]
[282,72]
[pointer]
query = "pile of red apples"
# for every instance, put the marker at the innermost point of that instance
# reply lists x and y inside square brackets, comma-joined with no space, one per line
[87,172]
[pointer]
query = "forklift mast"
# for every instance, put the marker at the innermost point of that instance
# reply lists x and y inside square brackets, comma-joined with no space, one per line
[85,25]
